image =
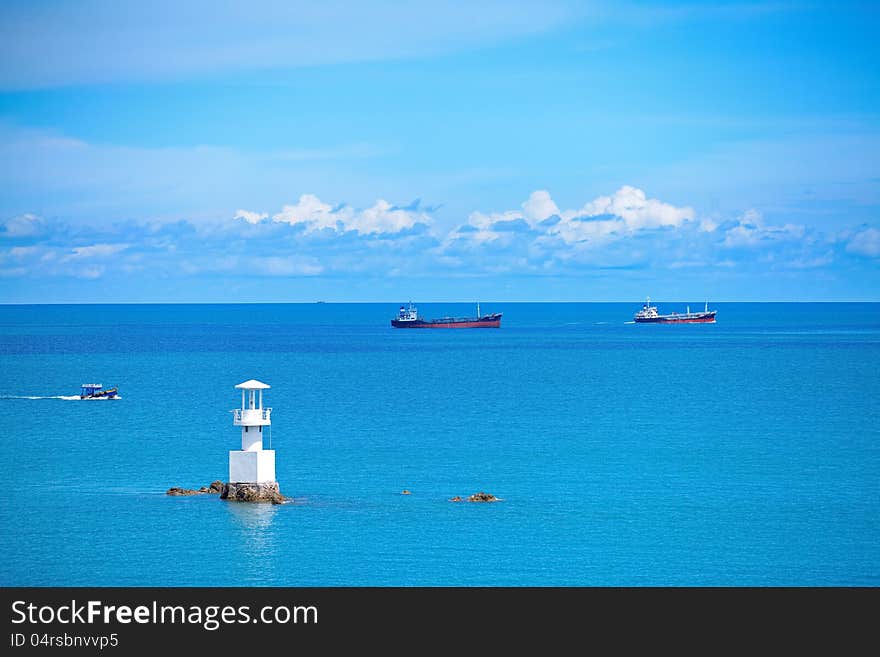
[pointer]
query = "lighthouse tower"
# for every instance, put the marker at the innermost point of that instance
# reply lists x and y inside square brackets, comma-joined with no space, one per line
[252,468]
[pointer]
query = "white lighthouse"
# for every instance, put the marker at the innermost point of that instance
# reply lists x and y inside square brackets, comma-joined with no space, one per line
[252,468]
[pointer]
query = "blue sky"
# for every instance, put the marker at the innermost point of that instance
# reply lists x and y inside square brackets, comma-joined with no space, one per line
[439,151]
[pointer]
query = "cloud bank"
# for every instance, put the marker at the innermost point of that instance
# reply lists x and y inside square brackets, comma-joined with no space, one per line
[626,212]
[312,214]
[626,229]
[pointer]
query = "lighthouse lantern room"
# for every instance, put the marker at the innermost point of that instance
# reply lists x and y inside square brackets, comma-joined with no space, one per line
[252,464]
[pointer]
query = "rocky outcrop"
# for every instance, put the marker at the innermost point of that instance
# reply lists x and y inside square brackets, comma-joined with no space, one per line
[405,492]
[476,497]
[247,492]
[216,487]
[483,497]
[176,490]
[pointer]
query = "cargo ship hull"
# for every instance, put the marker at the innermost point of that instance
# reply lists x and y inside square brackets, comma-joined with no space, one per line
[489,321]
[649,315]
[702,318]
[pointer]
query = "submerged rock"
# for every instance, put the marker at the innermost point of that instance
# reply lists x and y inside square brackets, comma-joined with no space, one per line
[482,497]
[247,492]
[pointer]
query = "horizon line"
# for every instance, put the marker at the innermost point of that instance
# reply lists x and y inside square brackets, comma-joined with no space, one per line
[321,302]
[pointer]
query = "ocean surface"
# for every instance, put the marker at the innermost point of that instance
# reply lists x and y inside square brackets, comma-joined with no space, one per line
[744,453]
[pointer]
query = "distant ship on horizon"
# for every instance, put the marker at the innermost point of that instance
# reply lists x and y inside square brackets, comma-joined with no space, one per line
[649,315]
[409,318]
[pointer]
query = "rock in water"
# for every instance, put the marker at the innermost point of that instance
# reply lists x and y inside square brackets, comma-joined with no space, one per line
[177,490]
[482,497]
[216,487]
[457,498]
[246,492]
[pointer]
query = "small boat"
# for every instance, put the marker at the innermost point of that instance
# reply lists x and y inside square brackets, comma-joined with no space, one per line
[409,318]
[649,315]
[97,391]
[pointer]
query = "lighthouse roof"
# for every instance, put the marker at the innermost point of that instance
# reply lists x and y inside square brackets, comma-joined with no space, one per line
[253,384]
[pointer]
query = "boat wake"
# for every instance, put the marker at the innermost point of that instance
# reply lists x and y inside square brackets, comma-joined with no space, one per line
[65,397]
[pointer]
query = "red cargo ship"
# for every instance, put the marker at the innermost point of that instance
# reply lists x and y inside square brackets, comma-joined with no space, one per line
[649,315]
[409,318]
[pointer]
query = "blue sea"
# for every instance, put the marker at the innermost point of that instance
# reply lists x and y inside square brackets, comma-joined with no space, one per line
[741,453]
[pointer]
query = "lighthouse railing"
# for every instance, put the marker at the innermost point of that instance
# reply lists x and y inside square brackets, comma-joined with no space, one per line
[251,415]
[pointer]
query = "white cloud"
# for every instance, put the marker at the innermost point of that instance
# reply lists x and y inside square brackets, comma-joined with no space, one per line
[484,221]
[315,215]
[539,206]
[708,225]
[866,242]
[24,225]
[309,210]
[627,211]
[751,230]
[95,251]
[588,232]
[383,218]
[250,217]
[630,229]
[637,211]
